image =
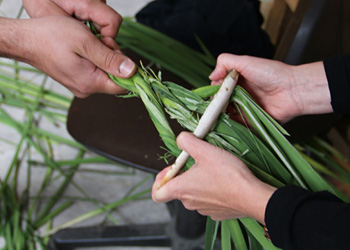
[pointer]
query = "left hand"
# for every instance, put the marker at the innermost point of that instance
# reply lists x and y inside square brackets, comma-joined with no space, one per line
[218,184]
[96,59]
[66,50]
[106,19]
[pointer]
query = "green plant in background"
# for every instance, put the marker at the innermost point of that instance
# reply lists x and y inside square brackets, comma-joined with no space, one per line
[26,216]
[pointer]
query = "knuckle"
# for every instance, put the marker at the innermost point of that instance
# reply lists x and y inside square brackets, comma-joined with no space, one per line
[85,89]
[188,201]
[85,41]
[180,137]
[84,5]
[110,59]
[222,56]
[86,85]
[116,19]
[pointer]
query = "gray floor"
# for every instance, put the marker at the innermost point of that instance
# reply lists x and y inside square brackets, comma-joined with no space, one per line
[106,188]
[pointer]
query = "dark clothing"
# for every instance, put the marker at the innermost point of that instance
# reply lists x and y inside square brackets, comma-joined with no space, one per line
[299,219]
[338,75]
[223,26]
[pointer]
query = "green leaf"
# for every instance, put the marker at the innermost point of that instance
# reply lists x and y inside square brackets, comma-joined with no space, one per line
[258,233]
[211,231]
[225,236]
[236,234]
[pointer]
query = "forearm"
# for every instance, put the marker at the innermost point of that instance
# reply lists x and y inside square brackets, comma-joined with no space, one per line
[255,201]
[13,42]
[311,89]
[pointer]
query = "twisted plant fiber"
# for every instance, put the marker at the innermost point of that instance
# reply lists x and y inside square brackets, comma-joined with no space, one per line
[186,106]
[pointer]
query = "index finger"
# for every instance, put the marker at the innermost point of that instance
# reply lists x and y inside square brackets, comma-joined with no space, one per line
[106,18]
[165,193]
[197,148]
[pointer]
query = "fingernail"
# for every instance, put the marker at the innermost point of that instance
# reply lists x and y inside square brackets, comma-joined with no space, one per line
[127,67]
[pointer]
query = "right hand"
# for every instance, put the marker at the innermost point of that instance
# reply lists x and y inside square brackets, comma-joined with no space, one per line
[284,91]
[218,185]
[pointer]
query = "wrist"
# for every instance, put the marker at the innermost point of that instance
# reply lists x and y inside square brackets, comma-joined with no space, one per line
[260,197]
[256,196]
[12,39]
[310,89]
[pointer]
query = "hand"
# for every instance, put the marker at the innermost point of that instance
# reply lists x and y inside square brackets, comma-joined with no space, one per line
[218,184]
[284,91]
[107,21]
[65,49]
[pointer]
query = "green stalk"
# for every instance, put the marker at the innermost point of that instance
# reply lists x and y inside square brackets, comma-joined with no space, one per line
[320,168]
[255,229]
[41,217]
[33,90]
[47,217]
[95,212]
[210,233]
[20,67]
[225,236]
[236,232]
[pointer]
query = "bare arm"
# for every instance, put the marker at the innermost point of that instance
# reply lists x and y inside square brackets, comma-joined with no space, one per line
[12,45]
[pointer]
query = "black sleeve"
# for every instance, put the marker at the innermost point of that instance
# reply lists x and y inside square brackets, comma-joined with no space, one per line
[299,219]
[338,76]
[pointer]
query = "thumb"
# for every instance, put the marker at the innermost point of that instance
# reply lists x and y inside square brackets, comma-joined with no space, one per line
[166,192]
[110,61]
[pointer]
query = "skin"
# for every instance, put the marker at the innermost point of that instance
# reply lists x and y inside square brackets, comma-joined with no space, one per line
[220,185]
[214,177]
[284,91]
[64,48]
[104,17]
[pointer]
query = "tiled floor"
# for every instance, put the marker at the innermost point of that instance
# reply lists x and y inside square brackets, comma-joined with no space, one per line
[104,187]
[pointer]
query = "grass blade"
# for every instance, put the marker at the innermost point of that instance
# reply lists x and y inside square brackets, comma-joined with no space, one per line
[211,231]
